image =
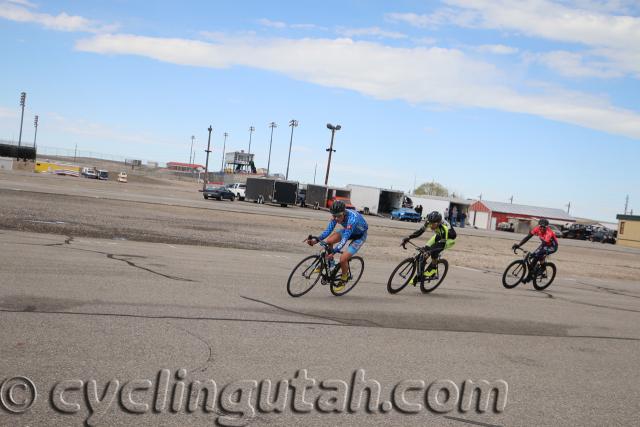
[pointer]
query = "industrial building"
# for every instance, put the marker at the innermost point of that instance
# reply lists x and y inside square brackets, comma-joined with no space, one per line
[487,215]
[629,230]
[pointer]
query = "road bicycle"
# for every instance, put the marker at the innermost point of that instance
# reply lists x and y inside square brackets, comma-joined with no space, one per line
[528,268]
[315,268]
[415,266]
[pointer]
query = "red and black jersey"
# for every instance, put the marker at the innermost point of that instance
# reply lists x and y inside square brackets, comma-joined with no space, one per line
[548,237]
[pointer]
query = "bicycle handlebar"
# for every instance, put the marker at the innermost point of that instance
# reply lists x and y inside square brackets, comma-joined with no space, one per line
[420,248]
[323,244]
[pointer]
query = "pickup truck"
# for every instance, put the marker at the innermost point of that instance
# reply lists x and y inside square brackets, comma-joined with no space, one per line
[238,189]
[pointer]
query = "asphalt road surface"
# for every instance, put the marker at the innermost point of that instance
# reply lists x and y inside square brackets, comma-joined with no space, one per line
[77,309]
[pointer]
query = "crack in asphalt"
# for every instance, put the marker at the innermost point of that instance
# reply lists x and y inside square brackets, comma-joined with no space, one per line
[209,360]
[290,322]
[475,423]
[121,258]
[342,320]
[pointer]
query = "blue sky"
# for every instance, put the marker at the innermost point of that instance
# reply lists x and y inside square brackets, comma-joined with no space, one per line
[535,99]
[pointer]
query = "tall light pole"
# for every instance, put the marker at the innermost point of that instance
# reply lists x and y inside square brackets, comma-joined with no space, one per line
[23,98]
[271,125]
[330,149]
[191,152]
[35,135]
[224,147]
[251,129]
[206,167]
[293,124]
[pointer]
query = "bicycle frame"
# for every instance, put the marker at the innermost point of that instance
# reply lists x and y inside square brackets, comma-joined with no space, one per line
[420,258]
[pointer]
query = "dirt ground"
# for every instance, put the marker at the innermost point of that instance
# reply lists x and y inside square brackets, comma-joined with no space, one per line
[241,227]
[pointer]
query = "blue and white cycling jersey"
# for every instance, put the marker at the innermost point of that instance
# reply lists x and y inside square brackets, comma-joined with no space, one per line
[354,226]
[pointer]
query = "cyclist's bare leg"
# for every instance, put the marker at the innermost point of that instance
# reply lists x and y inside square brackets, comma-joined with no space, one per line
[334,238]
[344,262]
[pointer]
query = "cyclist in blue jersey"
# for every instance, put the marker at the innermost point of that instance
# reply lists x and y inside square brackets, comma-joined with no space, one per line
[354,228]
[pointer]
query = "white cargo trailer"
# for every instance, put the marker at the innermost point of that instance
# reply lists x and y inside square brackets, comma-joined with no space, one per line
[373,200]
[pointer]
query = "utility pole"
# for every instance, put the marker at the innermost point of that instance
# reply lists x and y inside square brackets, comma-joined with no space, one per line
[23,98]
[75,154]
[293,124]
[626,204]
[191,152]
[330,149]
[511,199]
[568,207]
[206,166]
[224,147]
[271,125]
[35,135]
[314,173]
[251,129]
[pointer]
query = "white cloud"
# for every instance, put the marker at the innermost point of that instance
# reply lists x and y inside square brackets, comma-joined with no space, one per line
[8,113]
[371,31]
[97,132]
[272,24]
[572,64]
[588,23]
[496,49]
[420,75]
[19,11]
[283,25]
[22,3]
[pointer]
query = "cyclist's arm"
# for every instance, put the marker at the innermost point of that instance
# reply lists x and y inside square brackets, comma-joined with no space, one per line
[418,232]
[330,227]
[346,234]
[526,239]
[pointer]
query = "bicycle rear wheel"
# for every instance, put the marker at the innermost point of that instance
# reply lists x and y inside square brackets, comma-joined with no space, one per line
[513,274]
[356,268]
[401,276]
[303,278]
[545,274]
[429,285]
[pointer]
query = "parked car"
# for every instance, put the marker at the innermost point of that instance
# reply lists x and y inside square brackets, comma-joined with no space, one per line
[103,175]
[603,235]
[346,201]
[122,177]
[577,231]
[406,214]
[91,173]
[218,193]
[506,226]
[238,189]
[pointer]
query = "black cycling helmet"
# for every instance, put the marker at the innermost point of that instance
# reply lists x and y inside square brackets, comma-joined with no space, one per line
[543,222]
[434,217]
[338,207]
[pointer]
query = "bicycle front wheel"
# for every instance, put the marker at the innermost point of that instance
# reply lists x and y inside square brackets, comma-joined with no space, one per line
[427,285]
[304,277]
[544,276]
[356,268]
[401,276]
[513,274]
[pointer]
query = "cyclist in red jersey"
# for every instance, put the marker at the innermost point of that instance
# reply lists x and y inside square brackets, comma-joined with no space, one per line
[549,241]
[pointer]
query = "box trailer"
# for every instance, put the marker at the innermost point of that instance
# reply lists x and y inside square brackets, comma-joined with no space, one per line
[259,189]
[316,196]
[267,190]
[375,201]
[285,193]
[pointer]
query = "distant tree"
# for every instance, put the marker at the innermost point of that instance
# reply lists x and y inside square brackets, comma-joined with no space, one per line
[432,189]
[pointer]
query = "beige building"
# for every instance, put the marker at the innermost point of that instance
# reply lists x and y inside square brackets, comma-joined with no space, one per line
[629,230]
